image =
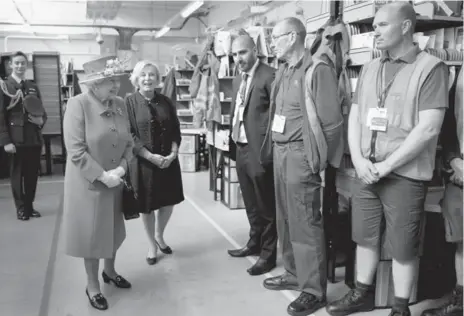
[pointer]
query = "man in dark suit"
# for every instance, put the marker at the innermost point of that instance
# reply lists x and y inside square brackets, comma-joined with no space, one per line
[21,119]
[249,119]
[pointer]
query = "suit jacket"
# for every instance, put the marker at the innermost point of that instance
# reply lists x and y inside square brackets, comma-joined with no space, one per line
[14,124]
[256,112]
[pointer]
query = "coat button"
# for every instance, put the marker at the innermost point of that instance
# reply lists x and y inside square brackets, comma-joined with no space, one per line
[114,145]
[113,160]
[108,114]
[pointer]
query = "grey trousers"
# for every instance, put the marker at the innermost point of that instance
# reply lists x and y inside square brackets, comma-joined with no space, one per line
[299,221]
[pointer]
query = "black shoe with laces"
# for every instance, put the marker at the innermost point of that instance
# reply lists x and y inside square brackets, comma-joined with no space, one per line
[305,304]
[354,301]
[452,308]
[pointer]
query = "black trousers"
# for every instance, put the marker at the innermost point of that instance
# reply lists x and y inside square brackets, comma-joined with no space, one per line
[24,172]
[257,186]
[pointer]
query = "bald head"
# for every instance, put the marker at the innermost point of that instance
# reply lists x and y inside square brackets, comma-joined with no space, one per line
[244,52]
[399,12]
[244,41]
[293,24]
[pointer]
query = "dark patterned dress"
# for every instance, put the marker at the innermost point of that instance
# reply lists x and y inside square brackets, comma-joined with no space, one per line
[158,123]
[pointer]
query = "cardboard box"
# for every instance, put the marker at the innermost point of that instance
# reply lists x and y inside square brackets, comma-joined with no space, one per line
[189,162]
[189,144]
[230,173]
[233,195]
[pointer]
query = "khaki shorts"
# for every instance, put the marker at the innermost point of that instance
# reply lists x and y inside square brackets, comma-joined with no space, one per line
[395,205]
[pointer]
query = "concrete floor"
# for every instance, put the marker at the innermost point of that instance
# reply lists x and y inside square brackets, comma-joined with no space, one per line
[199,279]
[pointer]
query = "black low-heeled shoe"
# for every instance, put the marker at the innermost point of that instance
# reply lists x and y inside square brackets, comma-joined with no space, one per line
[118,281]
[166,251]
[97,301]
[152,261]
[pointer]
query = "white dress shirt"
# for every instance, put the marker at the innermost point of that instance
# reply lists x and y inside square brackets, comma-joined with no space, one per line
[242,135]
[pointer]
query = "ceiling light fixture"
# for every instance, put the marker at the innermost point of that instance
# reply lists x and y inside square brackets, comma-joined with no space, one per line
[190,8]
[163,31]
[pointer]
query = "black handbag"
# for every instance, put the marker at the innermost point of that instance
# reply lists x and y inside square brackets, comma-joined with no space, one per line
[130,200]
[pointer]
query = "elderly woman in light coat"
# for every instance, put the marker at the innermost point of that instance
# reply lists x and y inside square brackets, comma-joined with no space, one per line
[99,147]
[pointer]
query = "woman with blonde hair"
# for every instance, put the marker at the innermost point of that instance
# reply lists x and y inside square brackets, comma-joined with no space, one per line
[156,132]
[99,147]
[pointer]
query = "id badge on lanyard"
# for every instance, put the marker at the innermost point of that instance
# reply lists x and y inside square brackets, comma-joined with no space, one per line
[377,118]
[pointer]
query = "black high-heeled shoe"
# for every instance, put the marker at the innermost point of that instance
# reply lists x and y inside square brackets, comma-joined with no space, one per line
[166,251]
[97,301]
[118,281]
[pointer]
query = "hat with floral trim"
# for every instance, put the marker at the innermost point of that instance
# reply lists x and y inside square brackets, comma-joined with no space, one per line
[102,68]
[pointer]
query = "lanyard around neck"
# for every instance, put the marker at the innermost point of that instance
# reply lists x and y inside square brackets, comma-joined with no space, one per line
[382,89]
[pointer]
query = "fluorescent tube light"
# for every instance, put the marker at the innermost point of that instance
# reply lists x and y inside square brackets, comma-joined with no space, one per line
[190,8]
[163,31]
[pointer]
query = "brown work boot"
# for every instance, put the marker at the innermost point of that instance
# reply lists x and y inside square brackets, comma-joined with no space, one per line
[355,301]
[452,308]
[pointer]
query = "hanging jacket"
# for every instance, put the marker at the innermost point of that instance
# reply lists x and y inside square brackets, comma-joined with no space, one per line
[169,88]
[213,105]
[332,44]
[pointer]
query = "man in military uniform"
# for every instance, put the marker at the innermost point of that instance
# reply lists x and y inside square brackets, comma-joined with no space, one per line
[22,117]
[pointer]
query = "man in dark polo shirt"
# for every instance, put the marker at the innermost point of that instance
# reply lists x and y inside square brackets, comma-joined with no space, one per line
[393,129]
[20,135]
[452,141]
[306,131]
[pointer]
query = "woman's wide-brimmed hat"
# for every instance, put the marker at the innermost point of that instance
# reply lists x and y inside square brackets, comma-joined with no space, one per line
[103,68]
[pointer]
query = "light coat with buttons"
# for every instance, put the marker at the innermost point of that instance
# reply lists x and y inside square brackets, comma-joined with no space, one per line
[97,139]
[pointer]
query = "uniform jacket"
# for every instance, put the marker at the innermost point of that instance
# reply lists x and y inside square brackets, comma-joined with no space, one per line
[96,139]
[257,105]
[14,125]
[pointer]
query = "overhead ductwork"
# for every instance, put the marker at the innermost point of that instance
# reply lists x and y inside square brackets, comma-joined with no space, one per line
[102,10]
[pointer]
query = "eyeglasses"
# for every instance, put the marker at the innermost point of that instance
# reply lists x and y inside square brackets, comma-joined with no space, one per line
[275,38]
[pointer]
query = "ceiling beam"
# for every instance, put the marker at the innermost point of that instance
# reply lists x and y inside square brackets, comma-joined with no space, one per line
[116,27]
